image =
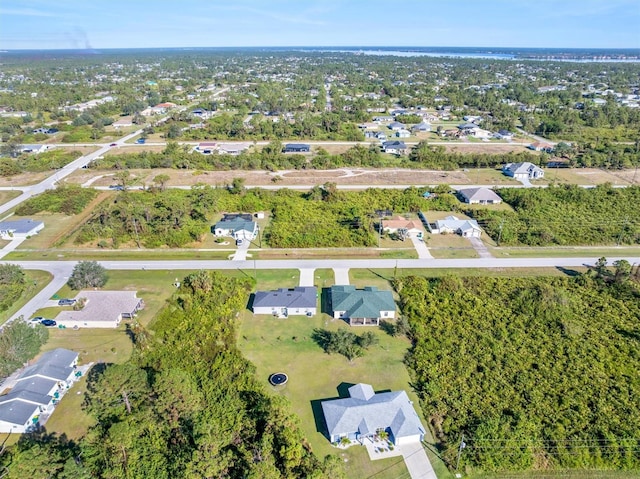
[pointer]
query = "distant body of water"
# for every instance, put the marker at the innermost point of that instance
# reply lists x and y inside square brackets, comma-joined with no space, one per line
[409,53]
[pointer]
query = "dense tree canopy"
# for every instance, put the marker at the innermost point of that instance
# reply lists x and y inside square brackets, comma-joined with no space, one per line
[536,373]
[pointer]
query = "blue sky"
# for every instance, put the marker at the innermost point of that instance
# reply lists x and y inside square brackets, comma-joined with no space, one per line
[41,24]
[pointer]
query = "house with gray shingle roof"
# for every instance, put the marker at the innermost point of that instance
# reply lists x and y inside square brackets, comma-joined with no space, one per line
[523,171]
[102,309]
[365,413]
[362,307]
[481,196]
[284,302]
[37,390]
[19,228]
[238,226]
[454,225]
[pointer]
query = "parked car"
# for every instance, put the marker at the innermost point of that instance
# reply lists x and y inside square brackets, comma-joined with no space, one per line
[37,319]
[140,141]
[239,242]
[48,322]
[113,144]
[66,302]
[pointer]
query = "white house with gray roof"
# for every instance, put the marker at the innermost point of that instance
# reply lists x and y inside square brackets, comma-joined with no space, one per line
[480,196]
[361,307]
[366,413]
[523,171]
[299,301]
[20,228]
[103,309]
[37,390]
[237,226]
[454,225]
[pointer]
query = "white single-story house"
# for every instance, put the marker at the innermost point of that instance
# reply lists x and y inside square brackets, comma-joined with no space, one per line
[540,146]
[523,171]
[365,413]
[454,225]
[207,147]
[403,226]
[396,126]
[33,148]
[361,307]
[233,148]
[237,226]
[37,390]
[19,228]
[123,122]
[479,196]
[394,147]
[503,135]
[283,302]
[403,134]
[421,127]
[103,309]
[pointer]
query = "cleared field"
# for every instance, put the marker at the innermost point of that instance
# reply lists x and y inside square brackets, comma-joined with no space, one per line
[450,246]
[559,252]
[24,179]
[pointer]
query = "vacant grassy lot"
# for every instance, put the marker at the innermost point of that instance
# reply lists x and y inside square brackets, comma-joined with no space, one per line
[567,474]
[450,246]
[119,254]
[35,280]
[559,252]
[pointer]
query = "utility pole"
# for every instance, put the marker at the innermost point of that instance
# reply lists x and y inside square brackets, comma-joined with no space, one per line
[460,448]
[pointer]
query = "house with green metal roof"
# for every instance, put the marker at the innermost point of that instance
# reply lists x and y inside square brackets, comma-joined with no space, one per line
[362,307]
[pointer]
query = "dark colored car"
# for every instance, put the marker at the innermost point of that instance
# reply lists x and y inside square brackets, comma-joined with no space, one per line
[140,141]
[66,302]
[48,322]
[113,144]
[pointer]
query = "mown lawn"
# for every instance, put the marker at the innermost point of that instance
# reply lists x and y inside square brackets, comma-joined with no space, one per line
[8,195]
[286,345]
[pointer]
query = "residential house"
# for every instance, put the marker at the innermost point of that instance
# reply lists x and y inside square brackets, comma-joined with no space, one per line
[296,148]
[19,228]
[394,147]
[237,226]
[467,128]
[33,148]
[503,135]
[480,196]
[102,309]
[396,126]
[361,307]
[454,225]
[233,148]
[284,302]
[403,134]
[480,133]
[523,171]
[37,390]
[202,113]
[381,136]
[207,147]
[366,413]
[451,133]
[123,122]
[403,227]
[541,146]
[421,127]
[383,119]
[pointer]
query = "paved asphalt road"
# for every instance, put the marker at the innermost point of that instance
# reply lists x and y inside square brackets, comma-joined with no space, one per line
[62,269]
[50,182]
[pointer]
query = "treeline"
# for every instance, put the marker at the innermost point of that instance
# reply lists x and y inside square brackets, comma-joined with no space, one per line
[19,342]
[564,215]
[322,217]
[12,285]
[187,404]
[49,160]
[532,373]
[67,199]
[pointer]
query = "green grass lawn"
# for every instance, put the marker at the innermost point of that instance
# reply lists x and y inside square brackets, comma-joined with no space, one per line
[111,254]
[68,417]
[287,345]
[36,280]
[6,195]
[450,246]
[567,251]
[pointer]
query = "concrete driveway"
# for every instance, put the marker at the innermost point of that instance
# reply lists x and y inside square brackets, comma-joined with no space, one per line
[417,461]
[341,276]
[421,248]
[306,276]
[480,248]
[11,246]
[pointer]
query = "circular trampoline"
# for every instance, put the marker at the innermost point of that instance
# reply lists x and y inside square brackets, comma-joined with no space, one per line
[278,379]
